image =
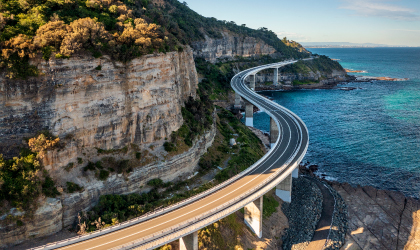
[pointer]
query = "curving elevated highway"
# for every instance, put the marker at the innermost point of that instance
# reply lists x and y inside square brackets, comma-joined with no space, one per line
[185,218]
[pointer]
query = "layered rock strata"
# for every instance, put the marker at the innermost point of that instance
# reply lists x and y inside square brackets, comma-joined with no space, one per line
[230,46]
[98,102]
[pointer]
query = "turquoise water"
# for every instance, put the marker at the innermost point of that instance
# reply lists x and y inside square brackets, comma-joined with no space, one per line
[368,136]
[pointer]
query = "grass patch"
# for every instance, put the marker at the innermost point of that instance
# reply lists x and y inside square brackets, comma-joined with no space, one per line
[269,205]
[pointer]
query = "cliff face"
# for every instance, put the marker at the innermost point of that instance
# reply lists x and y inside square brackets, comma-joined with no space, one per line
[55,214]
[96,104]
[229,46]
[99,102]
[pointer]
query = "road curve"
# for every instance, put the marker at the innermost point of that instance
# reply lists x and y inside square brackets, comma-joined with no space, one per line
[164,226]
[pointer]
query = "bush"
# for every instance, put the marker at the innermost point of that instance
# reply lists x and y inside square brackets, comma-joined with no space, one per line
[103,175]
[90,166]
[73,187]
[49,189]
[156,183]
[169,147]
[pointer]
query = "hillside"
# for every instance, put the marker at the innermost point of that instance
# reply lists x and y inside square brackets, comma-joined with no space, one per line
[122,29]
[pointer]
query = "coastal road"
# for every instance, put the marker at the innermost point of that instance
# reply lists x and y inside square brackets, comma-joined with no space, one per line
[167,225]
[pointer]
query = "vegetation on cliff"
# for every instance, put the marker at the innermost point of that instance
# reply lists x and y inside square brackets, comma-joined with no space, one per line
[123,207]
[23,179]
[123,29]
[322,64]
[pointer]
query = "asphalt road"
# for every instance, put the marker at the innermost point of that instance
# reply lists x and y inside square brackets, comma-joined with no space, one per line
[291,146]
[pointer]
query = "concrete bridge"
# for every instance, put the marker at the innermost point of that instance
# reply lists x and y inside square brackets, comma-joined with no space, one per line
[289,142]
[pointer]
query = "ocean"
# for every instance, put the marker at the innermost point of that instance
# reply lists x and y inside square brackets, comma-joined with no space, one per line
[368,136]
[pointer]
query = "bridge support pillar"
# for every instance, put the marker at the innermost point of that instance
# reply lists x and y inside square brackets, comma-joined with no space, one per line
[276,76]
[252,82]
[253,216]
[295,173]
[189,242]
[284,189]
[249,114]
[274,132]
[237,101]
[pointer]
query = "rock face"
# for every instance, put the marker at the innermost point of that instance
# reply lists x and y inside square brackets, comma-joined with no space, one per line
[99,102]
[46,220]
[96,104]
[336,76]
[380,219]
[229,46]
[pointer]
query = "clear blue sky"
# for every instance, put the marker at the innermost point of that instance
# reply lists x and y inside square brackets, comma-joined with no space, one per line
[392,22]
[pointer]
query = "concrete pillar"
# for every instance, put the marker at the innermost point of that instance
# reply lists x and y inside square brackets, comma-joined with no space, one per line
[249,114]
[274,132]
[252,82]
[237,101]
[253,216]
[284,189]
[295,173]
[276,76]
[189,242]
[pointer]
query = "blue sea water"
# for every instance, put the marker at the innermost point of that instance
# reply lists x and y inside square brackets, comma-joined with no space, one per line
[368,136]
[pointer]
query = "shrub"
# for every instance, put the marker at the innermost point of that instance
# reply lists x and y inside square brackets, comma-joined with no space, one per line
[156,183]
[73,187]
[169,147]
[49,189]
[90,166]
[79,160]
[103,175]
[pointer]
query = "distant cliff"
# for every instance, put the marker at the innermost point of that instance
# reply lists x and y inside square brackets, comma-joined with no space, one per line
[231,45]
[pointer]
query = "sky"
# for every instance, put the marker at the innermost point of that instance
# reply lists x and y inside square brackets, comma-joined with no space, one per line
[391,22]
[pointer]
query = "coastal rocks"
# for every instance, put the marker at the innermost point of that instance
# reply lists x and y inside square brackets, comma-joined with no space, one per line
[303,214]
[380,219]
[230,46]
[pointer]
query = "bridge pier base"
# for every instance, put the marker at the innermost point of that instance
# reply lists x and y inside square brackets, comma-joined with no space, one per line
[274,132]
[249,114]
[237,101]
[252,82]
[295,173]
[284,189]
[189,242]
[253,216]
[276,77]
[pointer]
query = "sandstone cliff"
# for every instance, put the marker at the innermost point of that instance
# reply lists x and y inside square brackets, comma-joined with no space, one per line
[100,109]
[230,46]
[99,102]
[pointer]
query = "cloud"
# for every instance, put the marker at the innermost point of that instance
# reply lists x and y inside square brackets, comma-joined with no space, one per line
[292,36]
[381,9]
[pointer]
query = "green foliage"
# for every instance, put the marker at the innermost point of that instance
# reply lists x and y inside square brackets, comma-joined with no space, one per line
[322,64]
[103,175]
[112,151]
[138,155]
[79,160]
[156,183]
[49,189]
[23,179]
[178,26]
[73,187]
[99,67]
[169,147]
[90,166]
[269,206]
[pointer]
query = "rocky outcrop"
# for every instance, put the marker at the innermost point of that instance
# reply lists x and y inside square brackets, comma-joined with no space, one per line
[46,220]
[98,102]
[230,46]
[319,79]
